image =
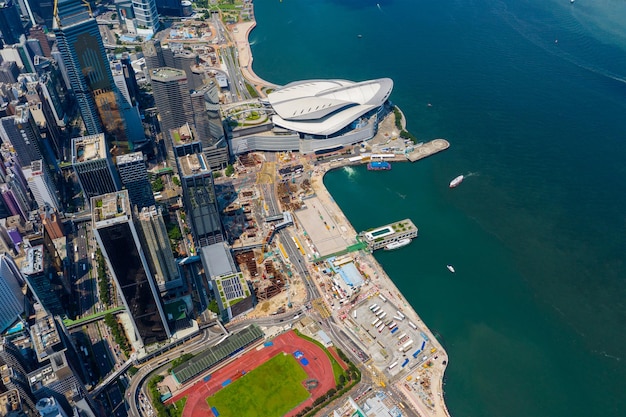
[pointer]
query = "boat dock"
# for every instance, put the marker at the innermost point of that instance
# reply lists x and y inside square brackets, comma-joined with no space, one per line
[427,149]
[382,236]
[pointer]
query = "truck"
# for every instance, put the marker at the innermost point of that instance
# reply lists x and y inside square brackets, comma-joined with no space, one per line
[412,325]
[375,309]
[376,322]
[406,346]
[393,365]
[382,297]
[382,316]
[373,306]
[400,314]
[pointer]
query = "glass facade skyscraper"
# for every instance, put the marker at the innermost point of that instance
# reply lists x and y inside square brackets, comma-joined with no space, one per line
[89,72]
[118,238]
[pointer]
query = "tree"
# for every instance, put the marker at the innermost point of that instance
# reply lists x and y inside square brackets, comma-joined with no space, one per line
[230,170]
[157,185]
[176,181]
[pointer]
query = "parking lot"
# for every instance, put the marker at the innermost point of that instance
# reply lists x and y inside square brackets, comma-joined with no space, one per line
[394,343]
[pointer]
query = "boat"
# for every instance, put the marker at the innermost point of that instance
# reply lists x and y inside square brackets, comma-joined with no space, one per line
[450,268]
[456,181]
[398,244]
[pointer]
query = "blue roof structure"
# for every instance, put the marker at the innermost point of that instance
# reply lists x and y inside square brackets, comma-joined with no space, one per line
[351,275]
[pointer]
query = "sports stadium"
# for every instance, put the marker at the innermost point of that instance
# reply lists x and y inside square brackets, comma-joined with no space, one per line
[245,375]
[309,116]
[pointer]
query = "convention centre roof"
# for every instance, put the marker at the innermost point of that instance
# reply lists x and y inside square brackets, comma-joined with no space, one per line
[323,107]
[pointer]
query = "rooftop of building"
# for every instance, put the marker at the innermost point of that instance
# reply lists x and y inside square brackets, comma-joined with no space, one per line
[33,262]
[110,206]
[182,135]
[193,165]
[44,334]
[165,74]
[129,158]
[9,401]
[88,148]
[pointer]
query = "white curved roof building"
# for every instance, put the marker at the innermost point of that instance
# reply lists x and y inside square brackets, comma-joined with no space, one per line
[317,115]
[324,107]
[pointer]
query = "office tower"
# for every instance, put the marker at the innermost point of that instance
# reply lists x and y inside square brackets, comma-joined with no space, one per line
[93,165]
[179,142]
[172,99]
[186,60]
[48,407]
[199,199]
[134,176]
[169,7]
[157,244]
[16,195]
[130,77]
[35,271]
[15,379]
[37,32]
[10,22]
[11,404]
[11,295]
[41,185]
[119,241]
[84,56]
[22,133]
[146,16]
[209,129]
[51,222]
[153,54]
[9,71]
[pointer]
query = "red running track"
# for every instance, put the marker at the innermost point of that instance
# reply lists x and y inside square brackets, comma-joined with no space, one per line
[319,367]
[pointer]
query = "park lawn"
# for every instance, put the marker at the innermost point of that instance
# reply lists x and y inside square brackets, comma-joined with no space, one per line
[270,390]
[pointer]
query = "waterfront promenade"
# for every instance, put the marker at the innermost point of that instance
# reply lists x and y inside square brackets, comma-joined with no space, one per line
[426,378]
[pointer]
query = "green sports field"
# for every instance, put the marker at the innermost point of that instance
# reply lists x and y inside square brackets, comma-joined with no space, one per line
[270,390]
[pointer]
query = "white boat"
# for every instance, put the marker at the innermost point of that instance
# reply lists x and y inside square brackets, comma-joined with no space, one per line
[456,181]
[450,268]
[398,244]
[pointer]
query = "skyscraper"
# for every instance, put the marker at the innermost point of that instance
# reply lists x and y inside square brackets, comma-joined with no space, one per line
[146,16]
[200,202]
[134,176]
[41,185]
[22,133]
[10,22]
[11,296]
[172,99]
[118,238]
[82,49]
[93,165]
[157,245]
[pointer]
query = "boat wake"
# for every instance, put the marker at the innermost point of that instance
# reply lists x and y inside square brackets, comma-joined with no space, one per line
[471,174]
[378,5]
[351,171]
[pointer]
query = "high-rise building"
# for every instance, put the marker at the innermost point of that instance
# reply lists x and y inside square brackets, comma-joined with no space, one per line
[79,41]
[200,201]
[93,165]
[134,176]
[42,11]
[9,71]
[22,133]
[14,378]
[51,222]
[146,16]
[11,295]
[10,22]
[37,32]
[119,241]
[172,99]
[157,245]
[153,54]
[169,7]
[35,272]
[41,185]
[49,407]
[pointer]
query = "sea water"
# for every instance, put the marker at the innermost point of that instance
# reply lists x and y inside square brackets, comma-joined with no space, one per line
[531,95]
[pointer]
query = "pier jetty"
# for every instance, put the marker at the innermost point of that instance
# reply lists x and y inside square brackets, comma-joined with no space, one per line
[427,149]
[383,236]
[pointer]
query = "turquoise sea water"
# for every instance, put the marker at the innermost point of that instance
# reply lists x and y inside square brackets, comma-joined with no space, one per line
[532,96]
